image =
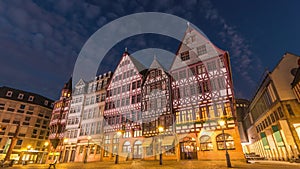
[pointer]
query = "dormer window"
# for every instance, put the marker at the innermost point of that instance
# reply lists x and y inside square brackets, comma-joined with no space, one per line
[46,102]
[9,93]
[20,96]
[31,98]
[185,56]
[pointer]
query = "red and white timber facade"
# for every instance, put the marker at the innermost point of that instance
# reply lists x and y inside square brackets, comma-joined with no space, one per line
[122,110]
[58,121]
[187,102]
[157,112]
[202,96]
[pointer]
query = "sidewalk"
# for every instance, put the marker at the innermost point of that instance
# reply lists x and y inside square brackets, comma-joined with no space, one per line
[184,164]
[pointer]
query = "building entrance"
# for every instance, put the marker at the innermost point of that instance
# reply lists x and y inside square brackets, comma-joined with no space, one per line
[188,149]
[73,153]
[137,150]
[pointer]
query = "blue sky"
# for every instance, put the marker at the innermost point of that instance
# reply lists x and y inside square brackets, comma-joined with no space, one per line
[40,40]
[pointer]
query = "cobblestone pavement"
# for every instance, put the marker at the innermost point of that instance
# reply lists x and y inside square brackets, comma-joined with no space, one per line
[167,165]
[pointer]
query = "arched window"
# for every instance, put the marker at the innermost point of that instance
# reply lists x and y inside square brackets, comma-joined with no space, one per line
[205,143]
[106,147]
[126,147]
[138,142]
[115,143]
[228,139]
[137,149]
[116,139]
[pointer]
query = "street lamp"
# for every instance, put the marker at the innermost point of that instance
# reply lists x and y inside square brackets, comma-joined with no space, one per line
[222,124]
[86,151]
[45,146]
[160,130]
[119,133]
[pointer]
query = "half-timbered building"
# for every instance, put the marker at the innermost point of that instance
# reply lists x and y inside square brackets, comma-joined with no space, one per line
[122,110]
[157,110]
[202,96]
[58,121]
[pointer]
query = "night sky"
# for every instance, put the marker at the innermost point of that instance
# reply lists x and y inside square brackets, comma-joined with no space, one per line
[41,39]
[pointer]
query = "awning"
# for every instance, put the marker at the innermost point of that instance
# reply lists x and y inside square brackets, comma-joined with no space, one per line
[147,142]
[167,140]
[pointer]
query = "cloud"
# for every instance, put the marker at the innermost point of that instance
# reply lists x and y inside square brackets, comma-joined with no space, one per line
[46,36]
[243,59]
[40,45]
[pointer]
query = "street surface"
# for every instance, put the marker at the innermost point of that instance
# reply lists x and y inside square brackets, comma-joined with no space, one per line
[184,164]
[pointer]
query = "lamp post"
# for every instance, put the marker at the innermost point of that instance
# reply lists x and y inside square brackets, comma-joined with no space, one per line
[160,130]
[86,151]
[45,146]
[222,124]
[119,133]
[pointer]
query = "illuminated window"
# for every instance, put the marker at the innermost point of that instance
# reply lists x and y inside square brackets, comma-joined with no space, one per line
[137,133]
[92,149]
[126,147]
[98,149]
[107,139]
[116,139]
[298,131]
[205,143]
[127,134]
[106,152]
[228,139]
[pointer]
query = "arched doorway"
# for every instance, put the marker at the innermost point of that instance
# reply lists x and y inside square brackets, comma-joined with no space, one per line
[137,149]
[66,154]
[188,149]
[73,153]
[126,148]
